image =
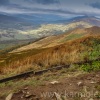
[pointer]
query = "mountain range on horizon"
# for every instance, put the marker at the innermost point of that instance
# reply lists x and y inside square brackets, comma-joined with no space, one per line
[39,19]
[20,27]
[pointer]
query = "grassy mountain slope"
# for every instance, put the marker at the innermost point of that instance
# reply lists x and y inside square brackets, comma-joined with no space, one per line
[73,79]
[60,39]
[82,49]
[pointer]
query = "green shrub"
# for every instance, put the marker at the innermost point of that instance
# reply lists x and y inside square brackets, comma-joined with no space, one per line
[95,66]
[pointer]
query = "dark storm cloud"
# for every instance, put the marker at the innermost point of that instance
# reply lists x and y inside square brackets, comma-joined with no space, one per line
[62,7]
[4,2]
[45,2]
[96,5]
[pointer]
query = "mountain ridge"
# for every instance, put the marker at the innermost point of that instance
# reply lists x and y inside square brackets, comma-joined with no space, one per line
[60,39]
[20,29]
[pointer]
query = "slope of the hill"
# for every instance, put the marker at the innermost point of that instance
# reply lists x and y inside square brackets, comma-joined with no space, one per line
[60,39]
[82,49]
[73,83]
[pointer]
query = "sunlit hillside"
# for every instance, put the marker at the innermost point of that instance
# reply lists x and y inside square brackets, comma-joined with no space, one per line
[60,39]
[74,49]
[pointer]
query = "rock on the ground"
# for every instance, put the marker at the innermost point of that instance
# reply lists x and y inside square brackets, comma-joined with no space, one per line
[92,82]
[79,83]
[9,97]
[54,82]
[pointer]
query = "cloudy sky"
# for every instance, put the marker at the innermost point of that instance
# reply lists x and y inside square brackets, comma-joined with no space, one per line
[56,7]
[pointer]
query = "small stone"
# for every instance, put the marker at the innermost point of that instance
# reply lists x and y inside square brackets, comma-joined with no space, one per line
[9,97]
[92,82]
[24,92]
[28,95]
[26,88]
[22,97]
[79,83]
[27,92]
[54,82]
[97,76]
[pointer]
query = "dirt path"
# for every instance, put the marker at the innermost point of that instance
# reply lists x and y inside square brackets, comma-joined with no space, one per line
[82,87]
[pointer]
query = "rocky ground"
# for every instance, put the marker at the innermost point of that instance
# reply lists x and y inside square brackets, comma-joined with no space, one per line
[76,87]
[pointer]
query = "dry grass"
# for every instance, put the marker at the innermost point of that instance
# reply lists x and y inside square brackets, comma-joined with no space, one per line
[66,53]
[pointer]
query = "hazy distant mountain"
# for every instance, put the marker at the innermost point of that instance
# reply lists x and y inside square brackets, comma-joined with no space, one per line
[41,18]
[14,27]
[28,22]
[89,19]
[7,18]
[12,22]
